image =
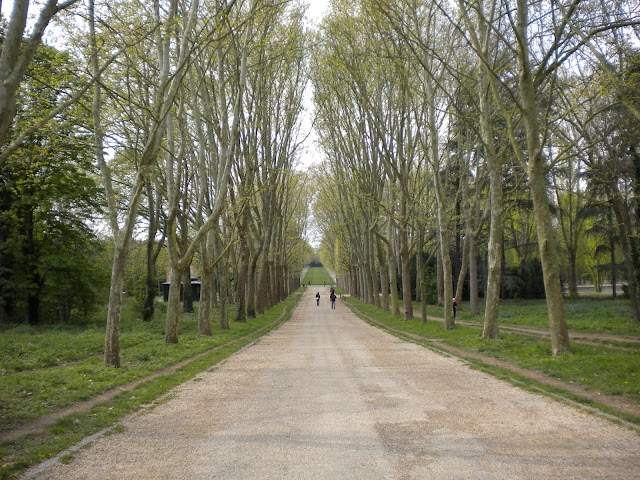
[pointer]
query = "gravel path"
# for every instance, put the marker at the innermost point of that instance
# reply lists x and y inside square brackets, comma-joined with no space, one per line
[327,396]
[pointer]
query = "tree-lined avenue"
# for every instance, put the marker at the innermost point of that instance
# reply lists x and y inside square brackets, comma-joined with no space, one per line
[329,396]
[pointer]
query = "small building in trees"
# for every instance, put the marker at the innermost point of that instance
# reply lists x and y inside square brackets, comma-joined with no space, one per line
[195,288]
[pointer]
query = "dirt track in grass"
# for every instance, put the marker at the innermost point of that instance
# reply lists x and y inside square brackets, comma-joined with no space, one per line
[329,396]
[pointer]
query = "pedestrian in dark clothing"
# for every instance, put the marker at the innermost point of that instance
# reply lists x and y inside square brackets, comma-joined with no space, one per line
[333,300]
[455,307]
[317,299]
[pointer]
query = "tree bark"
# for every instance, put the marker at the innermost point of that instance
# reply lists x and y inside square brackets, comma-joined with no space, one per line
[151,281]
[262,296]
[369,260]
[474,304]
[422,267]
[440,277]
[187,293]
[251,285]
[614,267]
[494,249]
[462,274]
[384,274]
[538,185]
[223,277]
[112,336]
[243,273]
[173,307]
[407,291]
[629,249]
[206,286]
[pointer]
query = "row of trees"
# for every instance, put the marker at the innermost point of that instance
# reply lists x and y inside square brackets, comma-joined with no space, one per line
[445,126]
[185,132]
[48,195]
[448,127]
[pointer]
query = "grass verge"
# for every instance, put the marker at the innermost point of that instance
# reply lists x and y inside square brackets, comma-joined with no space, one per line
[317,276]
[32,449]
[593,315]
[594,368]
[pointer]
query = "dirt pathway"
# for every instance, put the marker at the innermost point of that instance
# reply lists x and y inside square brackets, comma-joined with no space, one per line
[589,338]
[329,396]
[617,402]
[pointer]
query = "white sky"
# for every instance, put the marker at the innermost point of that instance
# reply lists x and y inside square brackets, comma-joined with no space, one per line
[317,9]
[310,154]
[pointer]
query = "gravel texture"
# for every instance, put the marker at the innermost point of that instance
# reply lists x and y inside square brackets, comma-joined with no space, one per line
[327,396]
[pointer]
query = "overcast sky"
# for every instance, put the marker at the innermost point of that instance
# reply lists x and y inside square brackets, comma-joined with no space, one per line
[310,154]
[317,8]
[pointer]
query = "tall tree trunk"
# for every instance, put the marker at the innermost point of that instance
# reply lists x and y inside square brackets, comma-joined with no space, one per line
[263,293]
[282,282]
[355,280]
[243,274]
[494,249]
[206,286]
[384,274]
[440,277]
[474,304]
[465,202]
[251,285]
[612,250]
[393,257]
[112,336]
[449,320]
[447,274]
[419,274]
[224,287]
[362,283]
[187,292]
[572,279]
[223,278]
[547,246]
[462,274]
[368,261]
[629,250]
[538,184]
[443,240]
[405,258]
[150,279]
[173,307]
[271,284]
[422,271]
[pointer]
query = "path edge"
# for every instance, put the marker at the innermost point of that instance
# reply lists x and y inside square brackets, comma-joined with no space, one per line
[31,471]
[503,373]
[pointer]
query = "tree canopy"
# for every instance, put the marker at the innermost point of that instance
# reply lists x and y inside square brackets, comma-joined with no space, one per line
[472,150]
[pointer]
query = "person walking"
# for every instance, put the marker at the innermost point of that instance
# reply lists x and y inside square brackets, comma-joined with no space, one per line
[317,299]
[333,300]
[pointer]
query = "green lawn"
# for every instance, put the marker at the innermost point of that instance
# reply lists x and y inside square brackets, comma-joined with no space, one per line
[317,276]
[45,368]
[583,315]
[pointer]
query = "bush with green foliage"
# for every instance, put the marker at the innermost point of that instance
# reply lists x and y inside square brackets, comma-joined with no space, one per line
[48,197]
